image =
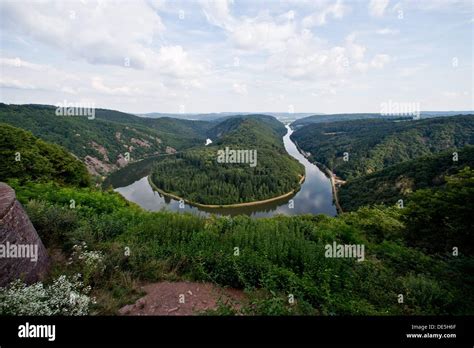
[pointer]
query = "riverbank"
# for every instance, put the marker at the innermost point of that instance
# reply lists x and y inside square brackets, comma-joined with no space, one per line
[332,177]
[314,196]
[236,205]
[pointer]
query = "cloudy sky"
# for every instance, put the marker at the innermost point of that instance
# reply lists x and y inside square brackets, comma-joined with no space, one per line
[244,55]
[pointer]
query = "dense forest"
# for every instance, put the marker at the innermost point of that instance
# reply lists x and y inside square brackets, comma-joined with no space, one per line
[355,148]
[196,174]
[398,181]
[27,158]
[365,116]
[108,136]
[409,251]
[343,117]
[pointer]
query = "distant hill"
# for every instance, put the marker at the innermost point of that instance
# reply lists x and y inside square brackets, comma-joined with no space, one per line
[229,123]
[25,157]
[196,175]
[364,116]
[396,182]
[194,117]
[102,142]
[220,115]
[374,144]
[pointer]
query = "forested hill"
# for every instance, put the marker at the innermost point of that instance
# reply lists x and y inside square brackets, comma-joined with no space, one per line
[102,142]
[25,157]
[228,124]
[400,180]
[365,116]
[342,117]
[373,144]
[197,176]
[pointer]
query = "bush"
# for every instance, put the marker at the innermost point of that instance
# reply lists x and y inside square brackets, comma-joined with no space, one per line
[90,262]
[63,297]
[52,222]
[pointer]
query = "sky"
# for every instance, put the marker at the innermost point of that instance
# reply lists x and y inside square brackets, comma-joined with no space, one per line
[321,56]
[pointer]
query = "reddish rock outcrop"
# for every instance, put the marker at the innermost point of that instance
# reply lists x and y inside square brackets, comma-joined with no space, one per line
[16,229]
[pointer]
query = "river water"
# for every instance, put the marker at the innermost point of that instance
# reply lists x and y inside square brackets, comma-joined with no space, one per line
[314,197]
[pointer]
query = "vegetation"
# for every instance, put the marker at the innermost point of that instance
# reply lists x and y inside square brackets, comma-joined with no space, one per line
[277,256]
[372,145]
[398,181]
[422,251]
[25,157]
[441,218]
[343,117]
[62,297]
[196,175]
[365,116]
[109,135]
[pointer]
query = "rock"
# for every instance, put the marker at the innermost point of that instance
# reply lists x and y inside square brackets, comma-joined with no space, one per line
[121,161]
[170,150]
[125,310]
[16,229]
[141,303]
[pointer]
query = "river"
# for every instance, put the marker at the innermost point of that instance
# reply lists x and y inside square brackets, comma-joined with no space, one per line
[314,197]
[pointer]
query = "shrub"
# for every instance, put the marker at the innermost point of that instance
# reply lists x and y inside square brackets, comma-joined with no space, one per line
[90,262]
[63,297]
[52,222]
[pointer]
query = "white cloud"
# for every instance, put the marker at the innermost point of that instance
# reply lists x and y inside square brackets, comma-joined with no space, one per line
[20,63]
[290,50]
[240,88]
[98,85]
[218,13]
[20,73]
[361,66]
[254,34]
[379,61]
[319,17]
[101,32]
[119,34]
[354,50]
[307,58]
[412,70]
[387,31]
[377,7]
[175,61]
[450,94]
[12,83]
[257,33]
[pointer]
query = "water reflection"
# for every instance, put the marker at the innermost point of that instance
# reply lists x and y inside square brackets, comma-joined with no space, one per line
[315,195]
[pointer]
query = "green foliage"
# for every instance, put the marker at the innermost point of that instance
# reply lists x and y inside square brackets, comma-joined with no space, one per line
[196,175]
[407,251]
[440,219]
[84,199]
[25,158]
[342,117]
[375,144]
[398,181]
[276,257]
[52,222]
[109,135]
